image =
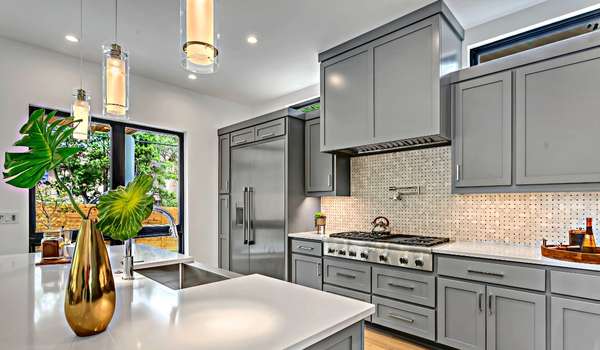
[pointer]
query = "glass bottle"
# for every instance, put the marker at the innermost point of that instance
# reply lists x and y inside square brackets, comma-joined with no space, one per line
[588,244]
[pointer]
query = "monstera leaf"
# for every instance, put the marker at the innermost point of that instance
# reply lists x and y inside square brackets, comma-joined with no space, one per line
[122,211]
[43,136]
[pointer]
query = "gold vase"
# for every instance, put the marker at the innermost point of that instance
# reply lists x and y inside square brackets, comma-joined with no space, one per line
[90,295]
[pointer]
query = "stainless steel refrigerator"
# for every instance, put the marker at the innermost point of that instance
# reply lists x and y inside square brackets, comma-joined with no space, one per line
[267,201]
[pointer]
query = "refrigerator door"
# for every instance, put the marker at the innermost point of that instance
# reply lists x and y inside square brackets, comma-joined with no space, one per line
[267,209]
[241,177]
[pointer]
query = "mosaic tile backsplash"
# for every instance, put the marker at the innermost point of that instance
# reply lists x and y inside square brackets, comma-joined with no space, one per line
[521,218]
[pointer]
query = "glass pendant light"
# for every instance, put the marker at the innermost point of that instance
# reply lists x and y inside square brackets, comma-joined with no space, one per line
[115,77]
[80,109]
[198,34]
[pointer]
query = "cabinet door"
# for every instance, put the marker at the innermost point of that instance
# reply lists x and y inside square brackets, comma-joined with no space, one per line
[482,131]
[406,84]
[461,314]
[224,232]
[224,164]
[318,169]
[346,93]
[557,120]
[575,324]
[307,271]
[516,320]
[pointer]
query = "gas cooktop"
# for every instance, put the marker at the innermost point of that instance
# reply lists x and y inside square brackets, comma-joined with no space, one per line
[410,240]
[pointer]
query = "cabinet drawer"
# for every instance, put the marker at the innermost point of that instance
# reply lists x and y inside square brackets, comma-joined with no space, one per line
[270,129]
[403,285]
[349,274]
[575,284]
[306,247]
[491,272]
[243,136]
[411,319]
[352,294]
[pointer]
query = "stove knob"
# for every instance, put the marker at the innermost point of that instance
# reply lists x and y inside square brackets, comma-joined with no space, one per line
[341,252]
[364,255]
[351,253]
[419,262]
[383,257]
[403,261]
[330,250]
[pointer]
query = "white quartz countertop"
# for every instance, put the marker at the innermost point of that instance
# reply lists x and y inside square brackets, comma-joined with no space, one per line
[507,252]
[249,312]
[310,235]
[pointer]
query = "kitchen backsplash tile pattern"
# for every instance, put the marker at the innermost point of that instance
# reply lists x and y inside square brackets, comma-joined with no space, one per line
[523,218]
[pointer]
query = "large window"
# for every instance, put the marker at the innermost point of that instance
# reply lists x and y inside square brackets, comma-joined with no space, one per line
[547,34]
[113,155]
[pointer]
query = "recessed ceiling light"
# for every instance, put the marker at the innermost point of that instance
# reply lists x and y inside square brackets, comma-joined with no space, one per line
[72,38]
[192,76]
[251,39]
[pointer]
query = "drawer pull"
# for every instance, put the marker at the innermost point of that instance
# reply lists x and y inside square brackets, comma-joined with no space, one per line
[345,275]
[266,135]
[305,247]
[404,319]
[486,273]
[480,296]
[401,286]
[239,142]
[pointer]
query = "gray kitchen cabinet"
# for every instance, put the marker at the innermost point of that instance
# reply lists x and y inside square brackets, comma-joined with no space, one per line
[223,234]
[516,320]
[482,141]
[382,90]
[271,129]
[405,84]
[242,137]
[350,338]
[325,173]
[556,120]
[348,274]
[575,324]
[461,314]
[307,271]
[404,317]
[224,163]
[346,88]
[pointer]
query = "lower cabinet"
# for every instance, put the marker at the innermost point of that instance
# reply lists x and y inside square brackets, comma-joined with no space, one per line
[511,319]
[351,338]
[224,231]
[404,317]
[307,271]
[575,324]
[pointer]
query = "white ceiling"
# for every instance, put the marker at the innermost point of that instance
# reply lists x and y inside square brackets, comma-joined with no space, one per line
[290,32]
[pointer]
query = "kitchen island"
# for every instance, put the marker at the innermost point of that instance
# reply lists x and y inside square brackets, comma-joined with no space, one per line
[243,312]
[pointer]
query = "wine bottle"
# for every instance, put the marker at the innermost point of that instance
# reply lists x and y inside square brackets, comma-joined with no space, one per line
[588,244]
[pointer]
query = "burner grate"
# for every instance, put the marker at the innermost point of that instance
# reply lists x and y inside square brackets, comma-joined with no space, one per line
[412,240]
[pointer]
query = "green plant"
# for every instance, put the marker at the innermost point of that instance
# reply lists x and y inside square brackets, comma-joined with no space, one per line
[45,137]
[122,211]
[319,214]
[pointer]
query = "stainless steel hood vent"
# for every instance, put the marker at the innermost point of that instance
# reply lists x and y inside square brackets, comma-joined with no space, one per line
[415,142]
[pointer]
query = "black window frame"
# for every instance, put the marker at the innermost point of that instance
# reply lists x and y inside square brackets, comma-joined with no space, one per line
[117,171]
[476,52]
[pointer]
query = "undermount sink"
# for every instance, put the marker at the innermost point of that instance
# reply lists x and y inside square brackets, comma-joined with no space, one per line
[180,275]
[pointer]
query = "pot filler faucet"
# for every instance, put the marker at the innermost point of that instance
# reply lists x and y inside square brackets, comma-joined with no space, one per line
[128,258]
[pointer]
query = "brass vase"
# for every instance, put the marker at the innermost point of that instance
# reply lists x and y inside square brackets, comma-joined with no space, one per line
[90,295]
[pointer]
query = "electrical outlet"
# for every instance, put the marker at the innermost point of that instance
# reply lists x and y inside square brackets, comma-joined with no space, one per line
[7,218]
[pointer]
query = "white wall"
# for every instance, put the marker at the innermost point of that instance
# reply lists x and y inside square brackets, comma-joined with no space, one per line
[516,21]
[31,75]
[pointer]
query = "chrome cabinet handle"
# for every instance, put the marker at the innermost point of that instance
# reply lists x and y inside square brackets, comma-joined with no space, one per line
[480,296]
[226,185]
[345,275]
[405,319]
[244,221]
[491,303]
[319,269]
[251,232]
[266,135]
[486,273]
[329,180]
[401,286]
[239,142]
[457,172]
[305,248]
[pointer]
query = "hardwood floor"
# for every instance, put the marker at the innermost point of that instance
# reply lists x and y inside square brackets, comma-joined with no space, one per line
[377,339]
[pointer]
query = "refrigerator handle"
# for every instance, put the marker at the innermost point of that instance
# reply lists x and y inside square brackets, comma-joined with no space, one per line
[251,233]
[245,213]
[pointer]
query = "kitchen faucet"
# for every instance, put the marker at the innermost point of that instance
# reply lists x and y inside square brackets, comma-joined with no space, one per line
[128,258]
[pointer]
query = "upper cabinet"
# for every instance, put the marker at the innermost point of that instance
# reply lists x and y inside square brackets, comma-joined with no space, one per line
[325,174]
[528,123]
[382,90]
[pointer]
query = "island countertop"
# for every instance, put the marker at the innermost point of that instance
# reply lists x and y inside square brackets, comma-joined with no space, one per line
[248,312]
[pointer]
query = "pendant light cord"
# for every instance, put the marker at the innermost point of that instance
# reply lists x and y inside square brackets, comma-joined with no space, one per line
[81,44]
[116,18]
